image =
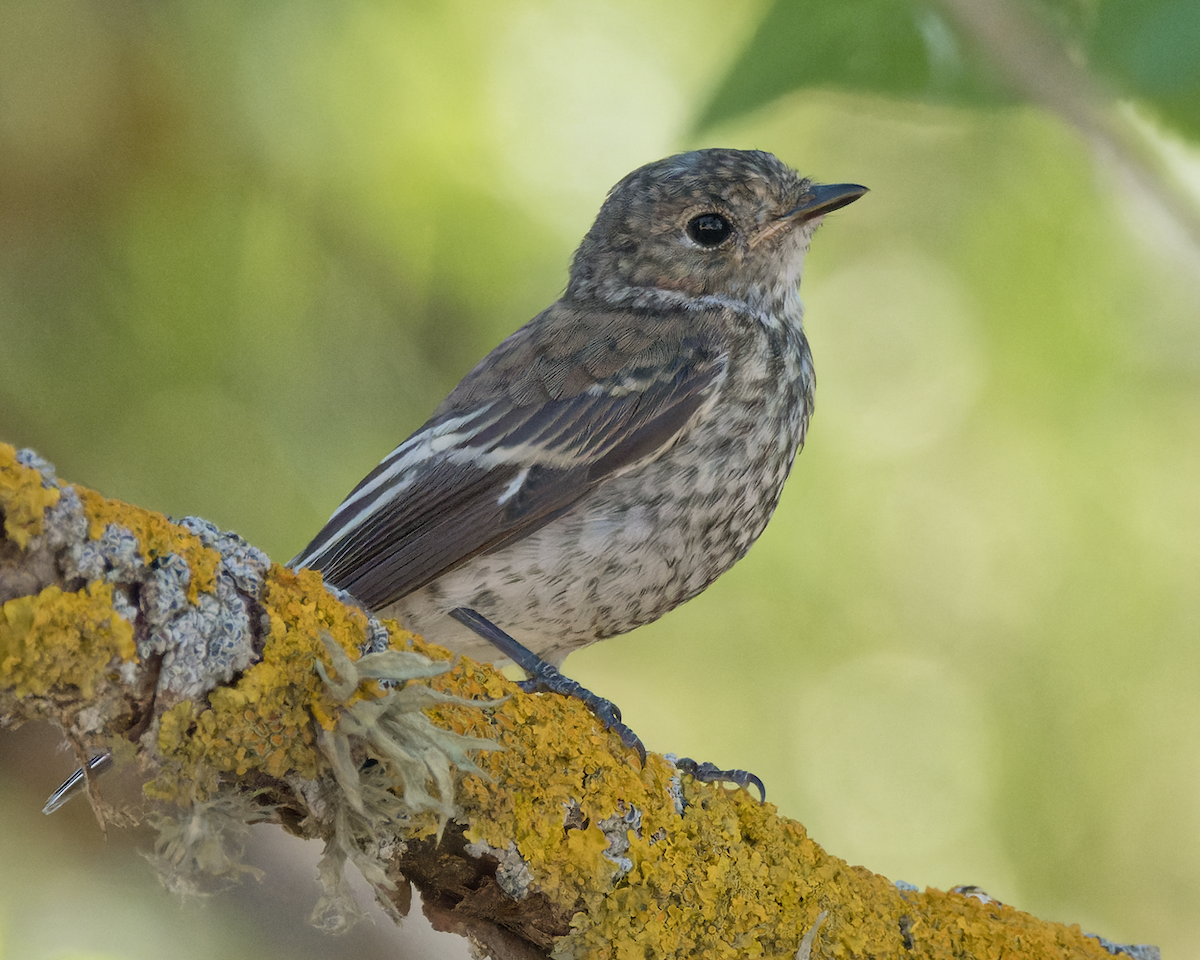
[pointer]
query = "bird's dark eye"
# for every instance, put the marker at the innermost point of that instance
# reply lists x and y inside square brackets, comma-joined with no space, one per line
[709,229]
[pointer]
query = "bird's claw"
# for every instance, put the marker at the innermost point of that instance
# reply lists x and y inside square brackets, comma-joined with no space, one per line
[607,712]
[543,676]
[610,716]
[710,773]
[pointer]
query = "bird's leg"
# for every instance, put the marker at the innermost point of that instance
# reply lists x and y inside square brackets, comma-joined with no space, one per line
[542,676]
[710,773]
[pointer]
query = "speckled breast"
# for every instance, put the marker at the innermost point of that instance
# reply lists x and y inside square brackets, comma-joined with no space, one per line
[646,541]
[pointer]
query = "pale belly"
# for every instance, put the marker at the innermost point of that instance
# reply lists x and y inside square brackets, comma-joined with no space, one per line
[627,554]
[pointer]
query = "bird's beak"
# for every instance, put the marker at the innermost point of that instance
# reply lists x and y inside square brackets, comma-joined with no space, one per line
[818,200]
[821,198]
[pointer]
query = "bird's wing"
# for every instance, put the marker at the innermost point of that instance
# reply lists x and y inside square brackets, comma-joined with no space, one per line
[567,402]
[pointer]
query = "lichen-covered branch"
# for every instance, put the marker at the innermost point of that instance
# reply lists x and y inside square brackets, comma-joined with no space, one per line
[245,691]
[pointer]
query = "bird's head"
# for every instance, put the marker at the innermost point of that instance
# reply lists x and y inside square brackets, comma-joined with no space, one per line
[735,223]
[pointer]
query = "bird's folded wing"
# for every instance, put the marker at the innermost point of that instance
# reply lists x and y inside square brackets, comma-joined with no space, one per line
[518,443]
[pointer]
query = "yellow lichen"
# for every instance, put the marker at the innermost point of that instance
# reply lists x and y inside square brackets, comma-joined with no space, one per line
[23,498]
[60,644]
[263,722]
[727,878]
[156,536]
[173,727]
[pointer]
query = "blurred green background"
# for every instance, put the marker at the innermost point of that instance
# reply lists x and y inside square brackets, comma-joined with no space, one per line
[245,248]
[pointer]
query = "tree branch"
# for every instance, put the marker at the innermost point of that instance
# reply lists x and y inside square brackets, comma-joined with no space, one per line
[247,692]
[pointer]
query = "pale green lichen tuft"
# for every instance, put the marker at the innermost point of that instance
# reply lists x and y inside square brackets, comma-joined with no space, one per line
[806,945]
[337,908]
[395,731]
[375,747]
[200,851]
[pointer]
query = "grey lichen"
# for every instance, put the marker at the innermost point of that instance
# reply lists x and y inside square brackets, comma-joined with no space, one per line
[245,564]
[205,644]
[513,874]
[617,829]
[164,594]
[202,643]
[1139,951]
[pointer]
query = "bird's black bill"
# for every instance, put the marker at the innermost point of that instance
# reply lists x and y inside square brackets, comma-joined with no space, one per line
[823,198]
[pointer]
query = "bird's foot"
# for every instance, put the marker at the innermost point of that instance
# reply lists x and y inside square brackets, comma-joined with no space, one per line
[542,676]
[711,773]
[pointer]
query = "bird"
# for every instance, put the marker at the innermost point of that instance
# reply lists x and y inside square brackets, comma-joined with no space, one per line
[615,455]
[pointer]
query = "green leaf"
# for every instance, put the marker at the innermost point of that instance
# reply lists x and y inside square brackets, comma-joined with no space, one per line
[1150,49]
[897,48]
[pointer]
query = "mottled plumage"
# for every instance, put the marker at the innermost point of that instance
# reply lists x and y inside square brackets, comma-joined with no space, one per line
[623,449]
